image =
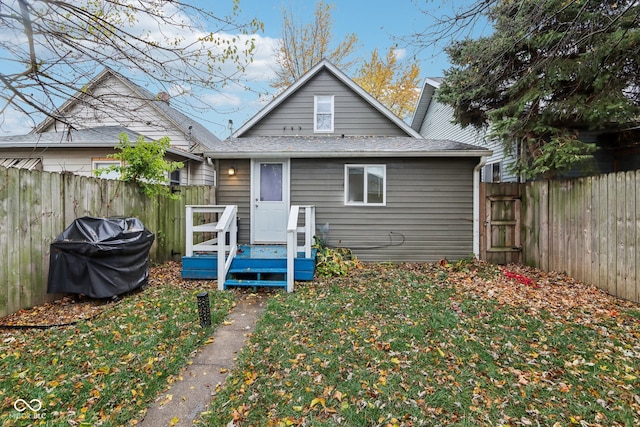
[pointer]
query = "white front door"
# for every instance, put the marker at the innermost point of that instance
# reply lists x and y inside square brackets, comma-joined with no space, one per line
[270,201]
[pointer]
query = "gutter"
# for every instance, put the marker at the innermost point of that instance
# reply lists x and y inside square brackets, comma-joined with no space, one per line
[476,206]
[345,154]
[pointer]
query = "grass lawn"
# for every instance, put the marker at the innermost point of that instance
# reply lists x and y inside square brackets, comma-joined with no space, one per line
[106,370]
[463,345]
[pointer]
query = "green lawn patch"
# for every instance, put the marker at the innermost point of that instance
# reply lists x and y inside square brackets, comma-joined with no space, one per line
[106,370]
[462,345]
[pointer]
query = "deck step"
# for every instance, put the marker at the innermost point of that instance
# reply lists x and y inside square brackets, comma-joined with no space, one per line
[269,283]
[257,270]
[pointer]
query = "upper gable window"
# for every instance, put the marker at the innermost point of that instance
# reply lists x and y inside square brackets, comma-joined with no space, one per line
[323,113]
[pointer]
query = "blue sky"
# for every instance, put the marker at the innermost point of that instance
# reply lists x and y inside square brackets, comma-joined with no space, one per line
[377,24]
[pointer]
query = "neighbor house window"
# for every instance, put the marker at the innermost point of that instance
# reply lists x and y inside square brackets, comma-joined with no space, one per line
[97,164]
[365,185]
[174,177]
[323,113]
[492,173]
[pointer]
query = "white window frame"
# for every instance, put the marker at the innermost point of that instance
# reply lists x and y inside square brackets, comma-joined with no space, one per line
[318,99]
[105,163]
[365,184]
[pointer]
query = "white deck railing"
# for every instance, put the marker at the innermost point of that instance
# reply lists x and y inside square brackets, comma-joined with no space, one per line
[292,237]
[226,225]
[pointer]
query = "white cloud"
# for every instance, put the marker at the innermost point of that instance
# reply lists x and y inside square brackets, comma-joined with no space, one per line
[400,53]
[14,122]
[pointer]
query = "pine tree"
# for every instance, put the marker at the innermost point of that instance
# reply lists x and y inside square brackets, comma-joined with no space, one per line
[549,70]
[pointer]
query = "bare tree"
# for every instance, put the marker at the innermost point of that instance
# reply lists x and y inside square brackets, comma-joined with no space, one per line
[50,48]
[303,46]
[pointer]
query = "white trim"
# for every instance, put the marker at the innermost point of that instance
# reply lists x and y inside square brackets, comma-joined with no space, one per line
[365,183]
[316,99]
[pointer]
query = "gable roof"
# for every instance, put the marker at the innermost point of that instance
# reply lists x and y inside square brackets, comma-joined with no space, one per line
[185,124]
[97,137]
[328,66]
[422,106]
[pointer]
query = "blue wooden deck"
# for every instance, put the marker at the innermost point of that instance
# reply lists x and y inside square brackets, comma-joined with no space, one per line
[254,265]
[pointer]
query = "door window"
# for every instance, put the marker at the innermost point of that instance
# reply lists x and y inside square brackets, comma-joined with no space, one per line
[271,182]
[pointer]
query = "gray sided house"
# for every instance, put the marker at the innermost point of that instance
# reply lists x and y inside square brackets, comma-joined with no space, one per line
[93,119]
[378,186]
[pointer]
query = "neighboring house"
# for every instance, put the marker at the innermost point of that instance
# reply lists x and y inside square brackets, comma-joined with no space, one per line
[617,150]
[78,151]
[378,186]
[434,120]
[108,104]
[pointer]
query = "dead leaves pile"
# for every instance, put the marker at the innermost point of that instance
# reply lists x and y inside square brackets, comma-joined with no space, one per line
[536,291]
[62,312]
[70,310]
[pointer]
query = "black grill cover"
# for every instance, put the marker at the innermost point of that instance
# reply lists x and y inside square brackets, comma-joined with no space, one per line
[100,257]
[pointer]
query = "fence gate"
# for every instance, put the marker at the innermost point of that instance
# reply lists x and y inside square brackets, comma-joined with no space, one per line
[500,235]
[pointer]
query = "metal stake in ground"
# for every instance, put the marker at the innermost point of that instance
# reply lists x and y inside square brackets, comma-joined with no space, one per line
[204,309]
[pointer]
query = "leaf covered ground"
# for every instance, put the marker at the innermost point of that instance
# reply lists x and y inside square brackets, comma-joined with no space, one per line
[438,344]
[111,361]
[387,345]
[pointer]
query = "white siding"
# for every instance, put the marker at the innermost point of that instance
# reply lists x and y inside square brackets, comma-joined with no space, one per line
[76,161]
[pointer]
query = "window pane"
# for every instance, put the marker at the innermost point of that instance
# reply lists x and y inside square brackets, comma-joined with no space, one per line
[107,174]
[271,182]
[375,184]
[323,122]
[356,185]
[324,113]
[324,106]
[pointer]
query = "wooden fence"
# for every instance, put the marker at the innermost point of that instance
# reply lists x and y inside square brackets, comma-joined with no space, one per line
[588,228]
[37,206]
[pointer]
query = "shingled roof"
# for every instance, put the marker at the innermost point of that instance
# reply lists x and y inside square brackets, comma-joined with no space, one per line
[332,146]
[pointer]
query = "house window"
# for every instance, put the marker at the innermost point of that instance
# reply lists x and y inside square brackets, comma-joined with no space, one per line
[174,178]
[323,113]
[104,163]
[365,185]
[492,173]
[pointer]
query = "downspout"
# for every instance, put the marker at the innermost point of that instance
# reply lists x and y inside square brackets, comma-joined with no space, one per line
[476,206]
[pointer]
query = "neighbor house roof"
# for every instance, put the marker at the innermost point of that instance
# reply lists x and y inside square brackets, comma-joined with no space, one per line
[187,125]
[325,65]
[332,146]
[98,137]
[426,95]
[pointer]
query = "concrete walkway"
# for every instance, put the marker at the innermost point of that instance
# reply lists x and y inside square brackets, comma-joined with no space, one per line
[190,396]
